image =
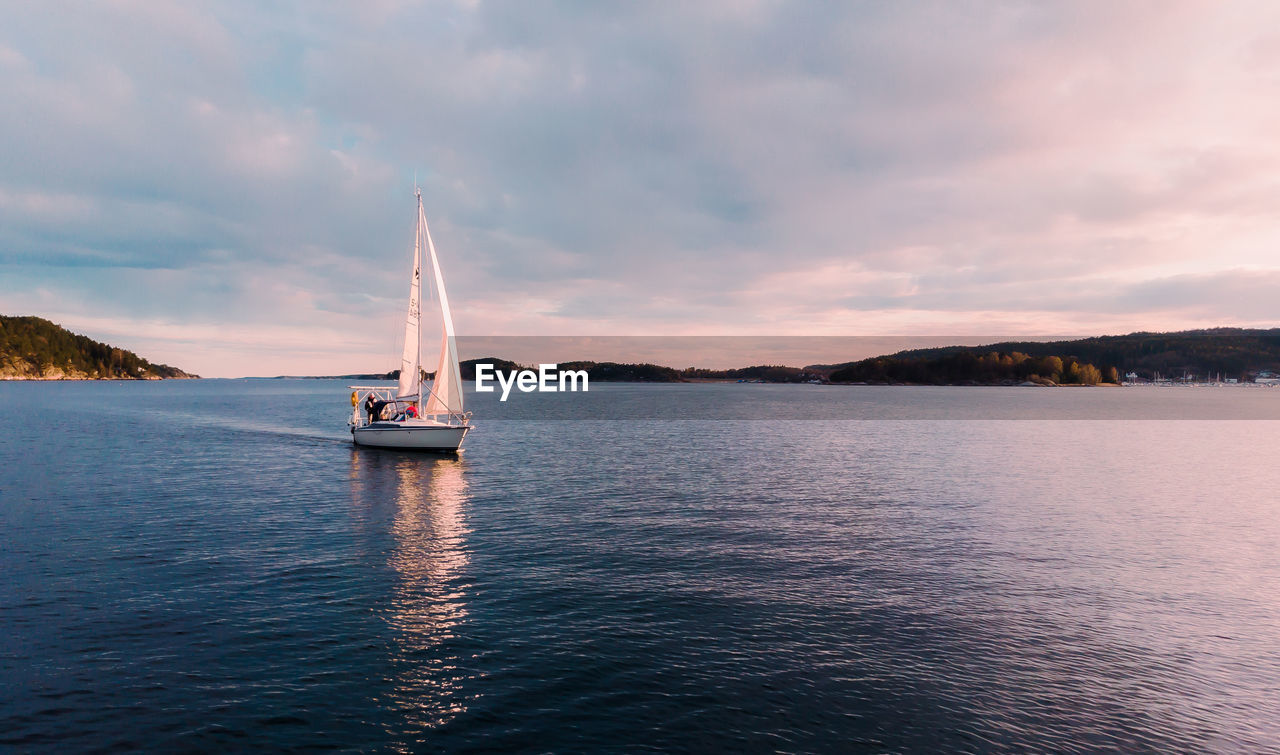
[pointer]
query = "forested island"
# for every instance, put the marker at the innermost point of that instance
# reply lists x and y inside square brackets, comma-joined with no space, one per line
[1226,353]
[655,373]
[762,373]
[967,368]
[620,372]
[32,348]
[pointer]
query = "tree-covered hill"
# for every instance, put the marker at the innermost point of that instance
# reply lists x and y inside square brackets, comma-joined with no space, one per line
[632,373]
[1221,352]
[467,367]
[769,373]
[964,367]
[32,348]
[1229,352]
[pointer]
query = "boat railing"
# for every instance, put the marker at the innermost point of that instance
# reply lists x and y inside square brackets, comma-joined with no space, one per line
[387,393]
[463,418]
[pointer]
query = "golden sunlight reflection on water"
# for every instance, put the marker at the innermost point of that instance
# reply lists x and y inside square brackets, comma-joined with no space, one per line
[427,605]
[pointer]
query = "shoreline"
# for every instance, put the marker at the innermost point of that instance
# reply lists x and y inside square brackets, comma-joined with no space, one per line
[93,379]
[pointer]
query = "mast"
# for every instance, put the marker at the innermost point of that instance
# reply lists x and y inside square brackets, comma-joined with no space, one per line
[417,245]
[411,357]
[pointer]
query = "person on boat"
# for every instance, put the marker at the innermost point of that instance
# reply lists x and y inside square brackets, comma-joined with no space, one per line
[370,403]
[411,412]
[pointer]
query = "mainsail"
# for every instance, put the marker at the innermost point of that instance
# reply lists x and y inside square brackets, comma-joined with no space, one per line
[409,369]
[446,387]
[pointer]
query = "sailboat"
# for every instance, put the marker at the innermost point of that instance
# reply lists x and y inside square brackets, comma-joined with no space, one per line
[417,414]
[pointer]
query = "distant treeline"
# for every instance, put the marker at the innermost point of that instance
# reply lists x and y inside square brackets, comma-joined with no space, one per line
[769,373]
[644,372]
[629,373]
[1228,352]
[35,348]
[966,367]
[597,371]
[468,367]
[654,373]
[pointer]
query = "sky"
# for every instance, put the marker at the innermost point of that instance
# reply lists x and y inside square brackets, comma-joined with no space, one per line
[228,187]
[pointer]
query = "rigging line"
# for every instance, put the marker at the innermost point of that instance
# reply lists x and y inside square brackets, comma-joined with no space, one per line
[448,411]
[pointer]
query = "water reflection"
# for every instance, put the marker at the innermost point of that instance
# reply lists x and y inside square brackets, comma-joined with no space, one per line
[428,602]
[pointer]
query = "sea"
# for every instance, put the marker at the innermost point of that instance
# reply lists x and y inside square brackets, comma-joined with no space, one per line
[212,566]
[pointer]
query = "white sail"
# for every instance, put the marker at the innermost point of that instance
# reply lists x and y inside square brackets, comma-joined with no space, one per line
[446,387]
[409,378]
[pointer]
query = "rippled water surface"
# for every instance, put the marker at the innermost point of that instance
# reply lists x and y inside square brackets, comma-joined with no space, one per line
[211,565]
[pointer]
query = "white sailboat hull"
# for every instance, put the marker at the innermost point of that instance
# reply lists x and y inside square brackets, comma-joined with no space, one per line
[410,436]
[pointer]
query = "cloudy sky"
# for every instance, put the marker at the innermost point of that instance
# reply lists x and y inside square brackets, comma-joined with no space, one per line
[228,187]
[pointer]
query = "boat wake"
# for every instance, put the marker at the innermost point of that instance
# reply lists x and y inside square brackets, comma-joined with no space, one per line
[255,427]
